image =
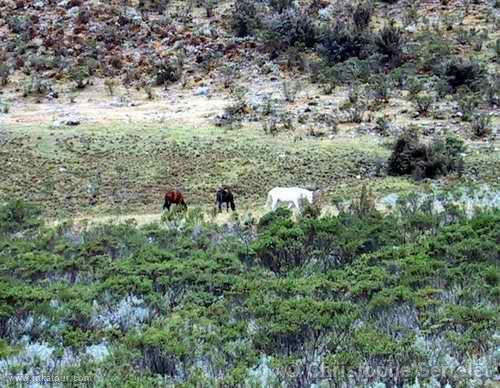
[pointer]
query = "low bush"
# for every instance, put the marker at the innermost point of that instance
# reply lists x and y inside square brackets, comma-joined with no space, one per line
[80,76]
[389,42]
[291,28]
[244,19]
[4,74]
[17,216]
[467,104]
[352,70]
[281,5]
[168,70]
[460,73]
[362,14]
[411,157]
[343,42]
[481,125]
[380,88]
[423,103]
[35,86]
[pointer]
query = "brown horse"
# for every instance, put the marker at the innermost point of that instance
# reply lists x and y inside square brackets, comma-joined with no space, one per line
[174,197]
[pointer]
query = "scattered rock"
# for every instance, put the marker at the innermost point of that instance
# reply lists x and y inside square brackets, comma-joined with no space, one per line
[72,120]
[132,15]
[69,119]
[202,91]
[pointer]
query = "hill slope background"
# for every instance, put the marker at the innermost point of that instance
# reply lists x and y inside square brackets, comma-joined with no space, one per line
[390,107]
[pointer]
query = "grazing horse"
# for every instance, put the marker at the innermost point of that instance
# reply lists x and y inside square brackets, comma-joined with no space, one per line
[224,195]
[294,196]
[174,197]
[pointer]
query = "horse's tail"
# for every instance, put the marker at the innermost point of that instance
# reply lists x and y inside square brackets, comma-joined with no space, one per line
[233,206]
[269,201]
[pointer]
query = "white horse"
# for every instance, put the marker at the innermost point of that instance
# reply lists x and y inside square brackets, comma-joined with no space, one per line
[294,196]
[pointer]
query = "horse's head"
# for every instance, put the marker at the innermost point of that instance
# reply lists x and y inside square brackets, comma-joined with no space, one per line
[316,194]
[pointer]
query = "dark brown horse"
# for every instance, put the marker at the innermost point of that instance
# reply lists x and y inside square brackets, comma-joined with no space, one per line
[174,197]
[224,195]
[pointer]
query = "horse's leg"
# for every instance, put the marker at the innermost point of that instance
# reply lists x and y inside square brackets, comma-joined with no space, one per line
[166,205]
[274,204]
[184,204]
[227,206]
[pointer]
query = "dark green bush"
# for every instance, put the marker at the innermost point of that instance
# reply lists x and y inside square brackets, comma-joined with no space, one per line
[430,49]
[352,70]
[389,42]
[441,157]
[4,74]
[244,20]
[481,125]
[380,88]
[423,103]
[362,14]
[17,216]
[281,5]
[460,72]
[468,102]
[168,70]
[291,28]
[343,42]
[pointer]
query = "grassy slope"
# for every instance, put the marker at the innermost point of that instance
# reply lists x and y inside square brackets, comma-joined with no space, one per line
[55,166]
[138,162]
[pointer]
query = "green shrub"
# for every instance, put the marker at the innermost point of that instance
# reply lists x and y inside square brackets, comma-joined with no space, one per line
[16,216]
[415,86]
[441,157]
[244,18]
[291,28]
[4,74]
[481,125]
[281,5]
[380,86]
[467,104]
[36,86]
[463,73]
[423,103]
[153,5]
[402,75]
[168,70]
[431,49]
[442,88]
[343,42]
[389,42]
[352,70]
[4,107]
[362,14]
[80,75]
[290,324]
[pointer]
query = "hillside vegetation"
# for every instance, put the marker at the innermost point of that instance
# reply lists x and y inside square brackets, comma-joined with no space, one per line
[389,107]
[360,298]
